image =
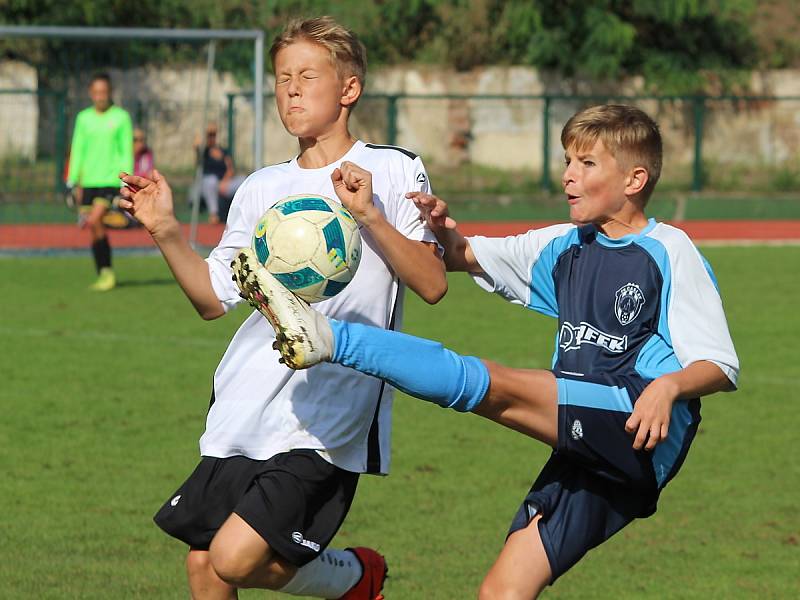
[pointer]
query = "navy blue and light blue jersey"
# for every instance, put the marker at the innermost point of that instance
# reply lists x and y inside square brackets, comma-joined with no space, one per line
[645,303]
[628,309]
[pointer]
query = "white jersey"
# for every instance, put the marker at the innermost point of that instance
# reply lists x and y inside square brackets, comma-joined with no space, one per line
[261,407]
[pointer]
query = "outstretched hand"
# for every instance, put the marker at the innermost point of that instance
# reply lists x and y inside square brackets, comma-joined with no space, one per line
[149,201]
[649,420]
[433,210]
[353,185]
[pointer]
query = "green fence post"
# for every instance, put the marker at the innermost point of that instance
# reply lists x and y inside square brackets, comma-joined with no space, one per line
[231,128]
[546,183]
[391,119]
[61,141]
[699,109]
[138,115]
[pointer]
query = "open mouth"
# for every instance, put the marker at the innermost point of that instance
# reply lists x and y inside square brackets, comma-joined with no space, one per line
[572,199]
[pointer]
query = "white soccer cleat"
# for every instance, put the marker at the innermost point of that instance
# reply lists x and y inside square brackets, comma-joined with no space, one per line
[303,336]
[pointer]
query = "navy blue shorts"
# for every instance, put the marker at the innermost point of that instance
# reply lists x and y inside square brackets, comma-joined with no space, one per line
[595,483]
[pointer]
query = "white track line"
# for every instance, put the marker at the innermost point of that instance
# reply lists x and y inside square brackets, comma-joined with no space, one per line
[747,243]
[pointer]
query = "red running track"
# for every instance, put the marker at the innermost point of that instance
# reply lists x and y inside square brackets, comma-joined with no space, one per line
[65,236]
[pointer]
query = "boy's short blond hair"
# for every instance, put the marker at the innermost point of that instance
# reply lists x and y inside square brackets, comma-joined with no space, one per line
[348,54]
[628,133]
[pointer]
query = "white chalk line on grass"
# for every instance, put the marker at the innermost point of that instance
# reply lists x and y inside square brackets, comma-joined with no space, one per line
[747,243]
[113,337]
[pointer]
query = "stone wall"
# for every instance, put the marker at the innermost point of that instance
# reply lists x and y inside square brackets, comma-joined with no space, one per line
[508,134]
[19,116]
[493,132]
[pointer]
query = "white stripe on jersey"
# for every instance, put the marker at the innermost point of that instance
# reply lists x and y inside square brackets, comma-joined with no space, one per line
[696,320]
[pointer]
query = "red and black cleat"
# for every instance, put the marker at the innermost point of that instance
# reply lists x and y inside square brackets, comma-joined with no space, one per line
[374,575]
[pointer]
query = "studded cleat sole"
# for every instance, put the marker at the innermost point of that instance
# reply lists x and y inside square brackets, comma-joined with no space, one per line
[300,331]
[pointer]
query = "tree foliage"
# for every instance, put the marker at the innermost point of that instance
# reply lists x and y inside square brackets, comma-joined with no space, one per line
[678,46]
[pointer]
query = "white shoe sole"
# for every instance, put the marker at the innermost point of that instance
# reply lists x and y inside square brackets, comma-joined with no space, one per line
[291,318]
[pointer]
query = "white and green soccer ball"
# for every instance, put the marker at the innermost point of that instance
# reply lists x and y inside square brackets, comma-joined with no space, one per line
[311,244]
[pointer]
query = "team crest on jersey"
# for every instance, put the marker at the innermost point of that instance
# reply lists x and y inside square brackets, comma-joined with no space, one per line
[629,302]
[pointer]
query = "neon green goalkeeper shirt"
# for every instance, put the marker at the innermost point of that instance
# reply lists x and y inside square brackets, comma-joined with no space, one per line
[102,146]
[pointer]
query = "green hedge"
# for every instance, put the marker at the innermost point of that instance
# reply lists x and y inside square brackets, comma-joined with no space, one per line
[679,46]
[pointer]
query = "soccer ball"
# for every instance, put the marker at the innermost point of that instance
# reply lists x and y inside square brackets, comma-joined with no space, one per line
[310,243]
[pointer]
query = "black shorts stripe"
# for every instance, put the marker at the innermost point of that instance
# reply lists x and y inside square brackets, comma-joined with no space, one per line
[374,438]
[408,153]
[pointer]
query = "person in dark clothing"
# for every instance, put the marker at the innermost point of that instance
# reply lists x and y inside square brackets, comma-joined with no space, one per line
[219,182]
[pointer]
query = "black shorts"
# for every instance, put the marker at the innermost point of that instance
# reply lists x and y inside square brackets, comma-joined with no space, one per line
[115,217]
[100,195]
[296,501]
[595,483]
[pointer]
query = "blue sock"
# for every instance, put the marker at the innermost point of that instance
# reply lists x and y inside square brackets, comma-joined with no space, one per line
[419,367]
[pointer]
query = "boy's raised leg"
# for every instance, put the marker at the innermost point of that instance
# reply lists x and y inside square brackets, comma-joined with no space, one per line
[523,400]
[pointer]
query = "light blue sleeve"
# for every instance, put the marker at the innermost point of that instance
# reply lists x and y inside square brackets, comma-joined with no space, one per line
[520,268]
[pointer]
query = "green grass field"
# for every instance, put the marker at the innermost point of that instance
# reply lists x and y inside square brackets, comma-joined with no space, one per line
[104,398]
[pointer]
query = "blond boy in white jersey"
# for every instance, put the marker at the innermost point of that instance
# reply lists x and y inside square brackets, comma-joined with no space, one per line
[282,450]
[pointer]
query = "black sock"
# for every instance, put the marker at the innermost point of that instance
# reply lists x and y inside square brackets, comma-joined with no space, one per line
[101,250]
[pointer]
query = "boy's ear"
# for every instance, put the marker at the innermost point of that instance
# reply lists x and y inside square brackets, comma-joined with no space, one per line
[636,180]
[351,90]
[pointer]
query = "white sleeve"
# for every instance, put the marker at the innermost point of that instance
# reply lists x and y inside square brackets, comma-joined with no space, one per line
[508,264]
[407,215]
[238,234]
[695,317]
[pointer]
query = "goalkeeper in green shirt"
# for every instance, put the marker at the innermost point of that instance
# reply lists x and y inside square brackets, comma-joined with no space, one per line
[102,146]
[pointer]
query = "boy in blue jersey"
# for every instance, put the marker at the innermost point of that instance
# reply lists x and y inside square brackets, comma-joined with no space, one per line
[642,336]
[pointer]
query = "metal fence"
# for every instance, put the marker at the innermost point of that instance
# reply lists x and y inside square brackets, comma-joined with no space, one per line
[35,136]
[719,142]
[42,92]
[482,144]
